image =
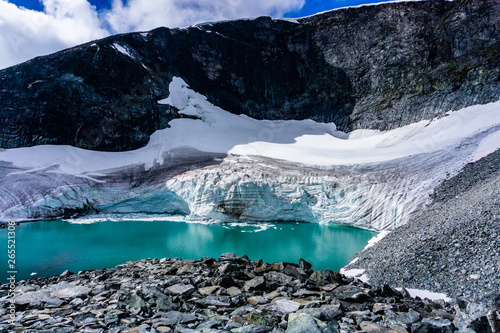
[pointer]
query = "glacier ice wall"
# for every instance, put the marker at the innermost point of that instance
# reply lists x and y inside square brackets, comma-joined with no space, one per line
[218,166]
[372,196]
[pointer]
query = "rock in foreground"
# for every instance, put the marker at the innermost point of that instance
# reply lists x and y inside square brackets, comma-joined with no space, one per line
[231,294]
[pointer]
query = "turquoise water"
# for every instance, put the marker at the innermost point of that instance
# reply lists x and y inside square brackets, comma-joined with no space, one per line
[49,248]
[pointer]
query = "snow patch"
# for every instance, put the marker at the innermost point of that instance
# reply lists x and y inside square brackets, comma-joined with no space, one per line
[489,145]
[373,146]
[376,239]
[35,82]
[122,50]
[426,294]
[355,273]
[359,273]
[355,260]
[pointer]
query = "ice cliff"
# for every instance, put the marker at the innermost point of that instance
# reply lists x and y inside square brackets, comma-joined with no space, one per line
[218,166]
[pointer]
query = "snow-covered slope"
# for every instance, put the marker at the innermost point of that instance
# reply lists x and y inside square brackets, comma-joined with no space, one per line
[220,166]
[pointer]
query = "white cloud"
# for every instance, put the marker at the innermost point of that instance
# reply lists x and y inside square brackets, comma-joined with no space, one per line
[25,34]
[74,20]
[149,14]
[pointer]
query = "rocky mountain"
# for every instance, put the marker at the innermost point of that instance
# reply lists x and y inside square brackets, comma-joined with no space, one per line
[377,67]
[383,117]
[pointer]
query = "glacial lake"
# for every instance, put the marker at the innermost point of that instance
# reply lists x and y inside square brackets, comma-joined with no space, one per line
[49,248]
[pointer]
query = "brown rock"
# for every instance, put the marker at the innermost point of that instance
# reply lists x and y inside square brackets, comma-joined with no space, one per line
[233,291]
[208,290]
[254,300]
[278,266]
[258,283]
[264,268]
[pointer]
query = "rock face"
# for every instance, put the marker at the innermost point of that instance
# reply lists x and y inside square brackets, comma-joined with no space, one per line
[412,60]
[146,296]
[370,67]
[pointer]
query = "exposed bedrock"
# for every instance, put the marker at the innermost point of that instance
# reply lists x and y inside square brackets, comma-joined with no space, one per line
[375,67]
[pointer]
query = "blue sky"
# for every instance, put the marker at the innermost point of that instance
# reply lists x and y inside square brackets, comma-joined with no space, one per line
[30,28]
[316,6]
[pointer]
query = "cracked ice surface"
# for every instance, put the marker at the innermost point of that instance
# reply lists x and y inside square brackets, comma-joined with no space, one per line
[227,167]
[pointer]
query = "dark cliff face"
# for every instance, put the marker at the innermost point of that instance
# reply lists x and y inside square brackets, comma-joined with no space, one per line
[370,67]
[410,61]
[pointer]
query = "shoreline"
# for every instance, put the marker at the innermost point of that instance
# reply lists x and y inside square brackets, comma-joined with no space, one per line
[103,245]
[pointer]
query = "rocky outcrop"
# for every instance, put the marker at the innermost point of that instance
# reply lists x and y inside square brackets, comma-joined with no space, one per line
[103,95]
[231,294]
[409,61]
[369,67]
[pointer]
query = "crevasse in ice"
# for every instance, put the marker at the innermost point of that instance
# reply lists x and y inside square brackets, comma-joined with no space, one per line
[226,167]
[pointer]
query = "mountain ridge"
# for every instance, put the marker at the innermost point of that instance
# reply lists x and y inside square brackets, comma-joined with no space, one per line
[330,67]
[384,67]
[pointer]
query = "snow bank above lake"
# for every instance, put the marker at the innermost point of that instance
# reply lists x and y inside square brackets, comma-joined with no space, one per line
[257,169]
[305,141]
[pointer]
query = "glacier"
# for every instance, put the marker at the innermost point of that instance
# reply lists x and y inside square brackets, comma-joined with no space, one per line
[218,166]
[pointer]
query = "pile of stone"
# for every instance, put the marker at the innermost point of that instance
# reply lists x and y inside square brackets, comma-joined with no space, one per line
[453,246]
[231,294]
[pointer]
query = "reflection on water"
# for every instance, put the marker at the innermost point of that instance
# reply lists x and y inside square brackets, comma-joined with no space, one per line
[49,248]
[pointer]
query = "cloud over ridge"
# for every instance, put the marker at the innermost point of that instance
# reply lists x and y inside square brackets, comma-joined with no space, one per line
[26,33]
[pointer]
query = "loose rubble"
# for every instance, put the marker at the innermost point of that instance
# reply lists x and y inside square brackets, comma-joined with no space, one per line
[231,294]
[452,247]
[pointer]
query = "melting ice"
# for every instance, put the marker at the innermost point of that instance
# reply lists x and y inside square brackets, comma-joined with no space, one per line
[221,166]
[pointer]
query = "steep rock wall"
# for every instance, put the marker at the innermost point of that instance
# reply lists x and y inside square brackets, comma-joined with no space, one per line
[369,67]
